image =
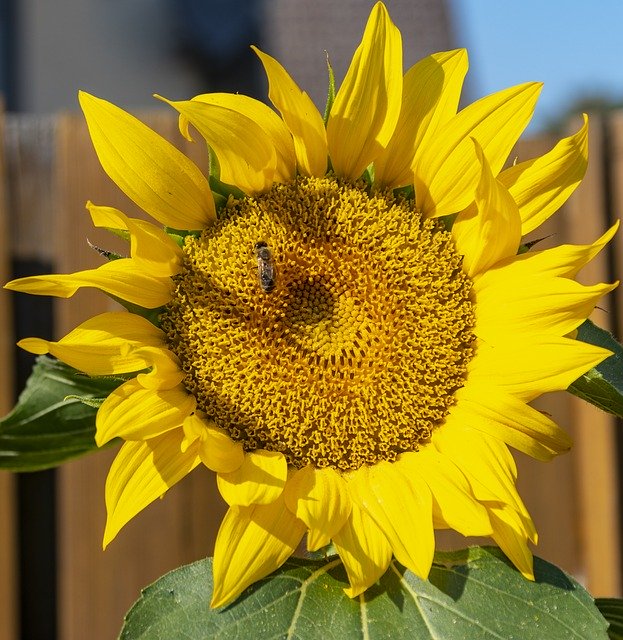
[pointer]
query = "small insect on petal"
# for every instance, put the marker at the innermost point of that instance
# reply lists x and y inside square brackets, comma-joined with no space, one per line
[265,266]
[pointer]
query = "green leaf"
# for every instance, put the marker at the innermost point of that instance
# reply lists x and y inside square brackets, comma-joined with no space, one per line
[612,610]
[602,385]
[474,594]
[45,429]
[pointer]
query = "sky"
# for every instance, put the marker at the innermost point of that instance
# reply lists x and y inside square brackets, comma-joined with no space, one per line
[575,47]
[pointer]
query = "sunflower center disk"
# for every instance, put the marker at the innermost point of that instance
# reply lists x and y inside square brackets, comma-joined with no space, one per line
[356,352]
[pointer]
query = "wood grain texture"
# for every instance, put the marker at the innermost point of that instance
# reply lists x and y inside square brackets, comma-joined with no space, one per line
[97,587]
[8,576]
[594,453]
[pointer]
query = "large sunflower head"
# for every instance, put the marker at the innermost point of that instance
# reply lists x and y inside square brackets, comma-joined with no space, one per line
[345,329]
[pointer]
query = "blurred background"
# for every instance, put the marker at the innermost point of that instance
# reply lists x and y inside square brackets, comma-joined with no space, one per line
[55,582]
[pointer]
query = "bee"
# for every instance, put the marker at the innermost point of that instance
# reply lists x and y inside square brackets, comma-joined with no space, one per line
[265,266]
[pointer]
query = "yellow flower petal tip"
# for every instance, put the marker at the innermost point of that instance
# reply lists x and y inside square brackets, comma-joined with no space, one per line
[352,370]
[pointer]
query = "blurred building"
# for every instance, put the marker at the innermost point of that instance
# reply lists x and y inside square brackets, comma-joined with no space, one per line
[298,32]
[125,50]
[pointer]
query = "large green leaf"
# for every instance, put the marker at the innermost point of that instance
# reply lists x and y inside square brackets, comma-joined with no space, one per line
[602,385]
[474,594]
[612,610]
[54,419]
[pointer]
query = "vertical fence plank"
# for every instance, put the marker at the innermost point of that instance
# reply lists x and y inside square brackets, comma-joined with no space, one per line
[97,587]
[597,484]
[8,577]
[553,509]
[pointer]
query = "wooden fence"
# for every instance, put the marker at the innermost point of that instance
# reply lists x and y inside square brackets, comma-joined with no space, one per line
[47,172]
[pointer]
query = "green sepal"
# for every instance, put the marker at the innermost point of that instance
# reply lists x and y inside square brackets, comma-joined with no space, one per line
[124,234]
[323,553]
[526,246]
[602,385]
[406,193]
[368,177]
[152,315]
[222,192]
[612,610]
[52,421]
[473,594]
[330,93]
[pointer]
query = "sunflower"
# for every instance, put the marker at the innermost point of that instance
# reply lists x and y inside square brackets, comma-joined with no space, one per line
[348,329]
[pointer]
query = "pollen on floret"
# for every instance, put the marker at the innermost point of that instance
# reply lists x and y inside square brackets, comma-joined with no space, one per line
[356,354]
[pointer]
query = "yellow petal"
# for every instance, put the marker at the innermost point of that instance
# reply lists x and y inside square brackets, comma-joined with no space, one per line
[534,305]
[148,169]
[565,260]
[119,278]
[402,507]
[268,120]
[300,115]
[509,534]
[430,95]
[103,345]
[533,365]
[367,105]
[132,412]
[217,450]
[447,172]
[363,549]
[484,460]
[542,185]
[260,479]
[153,250]
[489,230]
[454,503]
[251,543]
[512,421]
[246,154]
[142,472]
[318,497]
[166,371]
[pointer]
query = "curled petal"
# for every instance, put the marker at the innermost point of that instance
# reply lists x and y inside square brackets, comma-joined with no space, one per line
[148,169]
[246,154]
[165,371]
[152,248]
[217,450]
[300,115]
[103,345]
[489,230]
[270,122]
[251,543]
[260,479]
[542,185]
[119,278]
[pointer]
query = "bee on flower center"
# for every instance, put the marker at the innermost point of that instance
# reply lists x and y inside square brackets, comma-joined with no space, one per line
[265,266]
